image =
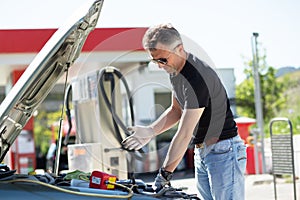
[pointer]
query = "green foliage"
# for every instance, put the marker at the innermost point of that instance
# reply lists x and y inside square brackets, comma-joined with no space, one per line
[245,98]
[46,129]
[280,127]
[291,82]
[272,92]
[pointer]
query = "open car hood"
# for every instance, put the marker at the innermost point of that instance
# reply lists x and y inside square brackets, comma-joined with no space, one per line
[58,54]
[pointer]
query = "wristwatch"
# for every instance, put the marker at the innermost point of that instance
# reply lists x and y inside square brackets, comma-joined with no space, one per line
[166,174]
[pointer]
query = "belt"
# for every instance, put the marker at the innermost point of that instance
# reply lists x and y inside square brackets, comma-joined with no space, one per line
[208,142]
[200,145]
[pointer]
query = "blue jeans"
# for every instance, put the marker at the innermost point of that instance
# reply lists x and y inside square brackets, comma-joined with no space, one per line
[220,169]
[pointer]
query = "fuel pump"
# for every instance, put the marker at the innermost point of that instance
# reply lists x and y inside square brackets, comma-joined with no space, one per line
[100,130]
[108,74]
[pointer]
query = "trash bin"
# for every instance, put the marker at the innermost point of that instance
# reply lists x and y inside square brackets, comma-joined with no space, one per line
[250,167]
[243,124]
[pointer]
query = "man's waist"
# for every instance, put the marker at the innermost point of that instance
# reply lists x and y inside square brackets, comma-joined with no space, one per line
[207,142]
[213,140]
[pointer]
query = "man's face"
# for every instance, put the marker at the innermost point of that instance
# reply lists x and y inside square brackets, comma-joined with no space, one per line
[164,58]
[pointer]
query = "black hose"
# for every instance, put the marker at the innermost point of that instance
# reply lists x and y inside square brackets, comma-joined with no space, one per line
[111,107]
[110,77]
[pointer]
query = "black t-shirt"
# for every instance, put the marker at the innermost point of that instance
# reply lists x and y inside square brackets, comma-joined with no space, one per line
[196,86]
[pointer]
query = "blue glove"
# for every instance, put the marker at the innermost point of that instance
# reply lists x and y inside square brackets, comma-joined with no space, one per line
[162,179]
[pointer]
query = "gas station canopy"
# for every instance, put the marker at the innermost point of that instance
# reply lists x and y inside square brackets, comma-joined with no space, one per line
[18,47]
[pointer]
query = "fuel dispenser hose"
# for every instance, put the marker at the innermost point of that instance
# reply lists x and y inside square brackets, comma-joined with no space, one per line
[109,72]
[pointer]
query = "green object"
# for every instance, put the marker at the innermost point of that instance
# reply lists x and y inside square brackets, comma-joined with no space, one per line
[77,174]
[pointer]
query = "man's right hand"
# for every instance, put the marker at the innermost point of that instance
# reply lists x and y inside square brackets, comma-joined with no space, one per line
[140,137]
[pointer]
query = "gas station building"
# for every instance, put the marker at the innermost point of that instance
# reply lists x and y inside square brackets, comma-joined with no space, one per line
[117,47]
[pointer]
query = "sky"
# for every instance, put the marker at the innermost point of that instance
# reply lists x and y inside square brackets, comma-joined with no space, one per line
[223,28]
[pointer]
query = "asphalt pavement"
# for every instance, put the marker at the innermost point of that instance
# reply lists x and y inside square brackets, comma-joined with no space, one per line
[262,187]
[257,187]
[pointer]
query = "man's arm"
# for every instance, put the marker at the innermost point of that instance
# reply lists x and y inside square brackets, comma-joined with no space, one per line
[143,134]
[168,119]
[182,138]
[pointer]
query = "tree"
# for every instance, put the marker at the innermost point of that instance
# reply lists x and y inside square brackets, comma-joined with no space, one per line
[45,129]
[273,98]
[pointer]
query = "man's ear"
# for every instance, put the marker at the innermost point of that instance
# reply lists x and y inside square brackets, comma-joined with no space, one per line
[180,48]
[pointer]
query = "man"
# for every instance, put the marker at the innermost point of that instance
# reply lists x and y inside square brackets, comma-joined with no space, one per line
[201,107]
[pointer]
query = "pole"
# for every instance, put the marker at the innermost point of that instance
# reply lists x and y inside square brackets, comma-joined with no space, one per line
[255,133]
[257,95]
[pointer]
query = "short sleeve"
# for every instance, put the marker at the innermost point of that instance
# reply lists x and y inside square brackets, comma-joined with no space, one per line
[196,93]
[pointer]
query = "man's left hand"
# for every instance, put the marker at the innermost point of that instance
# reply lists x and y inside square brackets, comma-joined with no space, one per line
[162,179]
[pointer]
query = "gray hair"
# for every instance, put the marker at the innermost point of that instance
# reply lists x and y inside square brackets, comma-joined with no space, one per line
[164,34]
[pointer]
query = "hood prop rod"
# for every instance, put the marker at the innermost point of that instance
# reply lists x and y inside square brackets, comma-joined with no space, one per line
[59,140]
